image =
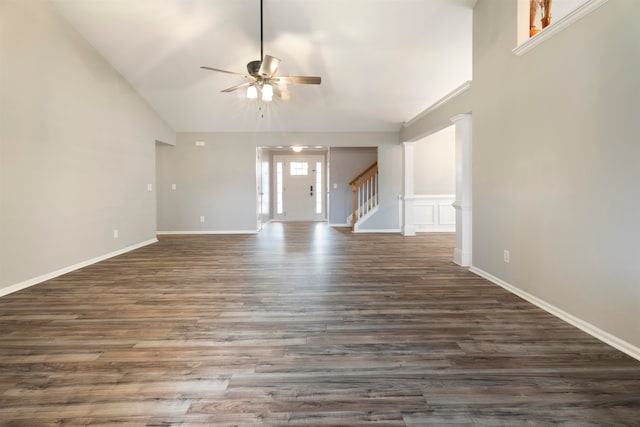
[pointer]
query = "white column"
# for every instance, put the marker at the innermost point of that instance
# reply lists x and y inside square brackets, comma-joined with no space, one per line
[462,252]
[408,222]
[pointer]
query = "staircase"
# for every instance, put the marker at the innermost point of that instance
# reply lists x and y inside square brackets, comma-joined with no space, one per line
[364,188]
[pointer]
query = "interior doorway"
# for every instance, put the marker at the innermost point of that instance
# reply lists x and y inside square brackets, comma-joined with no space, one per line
[299,191]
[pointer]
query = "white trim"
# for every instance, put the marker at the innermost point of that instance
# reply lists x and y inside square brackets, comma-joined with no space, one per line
[34,281]
[464,197]
[448,97]
[365,218]
[587,327]
[407,219]
[433,196]
[429,216]
[381,230]
[340,225]
[209,232]
[461,258]
[580,12]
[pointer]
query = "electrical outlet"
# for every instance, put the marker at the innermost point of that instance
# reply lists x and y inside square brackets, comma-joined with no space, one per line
[149,187]
[115,234]
[174,186]
[202,218]
[507,256]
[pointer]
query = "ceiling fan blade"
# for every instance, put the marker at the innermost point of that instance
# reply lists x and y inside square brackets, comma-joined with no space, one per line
[281,92]
[269,66]
[223,71]
[236,87]
[299,80]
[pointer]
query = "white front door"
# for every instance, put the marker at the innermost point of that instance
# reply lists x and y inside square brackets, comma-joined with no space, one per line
[299,188]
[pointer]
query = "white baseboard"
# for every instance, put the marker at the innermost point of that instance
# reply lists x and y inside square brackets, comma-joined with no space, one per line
[587,327]
[446,229]
[463,259]
[340,225]
[381,230]
[210,232]
[34,281]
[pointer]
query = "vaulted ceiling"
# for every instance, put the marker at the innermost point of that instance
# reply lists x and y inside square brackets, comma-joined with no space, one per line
[381,61]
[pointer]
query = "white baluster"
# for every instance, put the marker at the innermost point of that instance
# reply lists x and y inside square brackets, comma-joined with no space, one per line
[366,199]
[376,188]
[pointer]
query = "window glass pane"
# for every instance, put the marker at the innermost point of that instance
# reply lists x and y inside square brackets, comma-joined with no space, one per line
[279,187]
[299,168]
[318,187]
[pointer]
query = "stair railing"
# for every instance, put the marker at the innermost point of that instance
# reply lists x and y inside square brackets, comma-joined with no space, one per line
[364,190]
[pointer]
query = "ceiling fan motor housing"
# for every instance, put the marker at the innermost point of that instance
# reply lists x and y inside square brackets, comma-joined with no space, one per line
[253,67]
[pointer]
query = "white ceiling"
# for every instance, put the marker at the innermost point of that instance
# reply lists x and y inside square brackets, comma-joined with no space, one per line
[381,61]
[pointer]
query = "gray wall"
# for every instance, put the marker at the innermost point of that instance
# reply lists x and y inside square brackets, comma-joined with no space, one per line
[218,181]
[390,187]
[346,164]
[434,163]
[555,162]
[76,149]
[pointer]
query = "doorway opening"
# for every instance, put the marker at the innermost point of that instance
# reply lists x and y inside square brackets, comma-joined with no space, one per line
[434,182]
[298,187]
[463,201]
[292,184]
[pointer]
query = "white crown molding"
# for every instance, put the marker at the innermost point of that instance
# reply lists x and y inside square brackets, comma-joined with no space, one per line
[448,97]
[34,281]
[580,12]
[208,232]
[587,327]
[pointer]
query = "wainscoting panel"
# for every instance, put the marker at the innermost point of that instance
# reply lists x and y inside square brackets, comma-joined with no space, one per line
[434,213]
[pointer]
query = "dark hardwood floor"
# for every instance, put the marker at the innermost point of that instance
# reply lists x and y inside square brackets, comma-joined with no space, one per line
[299,325]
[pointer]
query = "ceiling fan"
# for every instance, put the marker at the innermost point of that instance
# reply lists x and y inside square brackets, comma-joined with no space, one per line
[262,75]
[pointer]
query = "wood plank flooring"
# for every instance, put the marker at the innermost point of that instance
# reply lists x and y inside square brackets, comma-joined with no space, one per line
[299,325]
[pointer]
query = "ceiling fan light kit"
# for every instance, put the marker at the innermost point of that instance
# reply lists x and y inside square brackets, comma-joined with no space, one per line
[267,92]
[262,75]
[252,92]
